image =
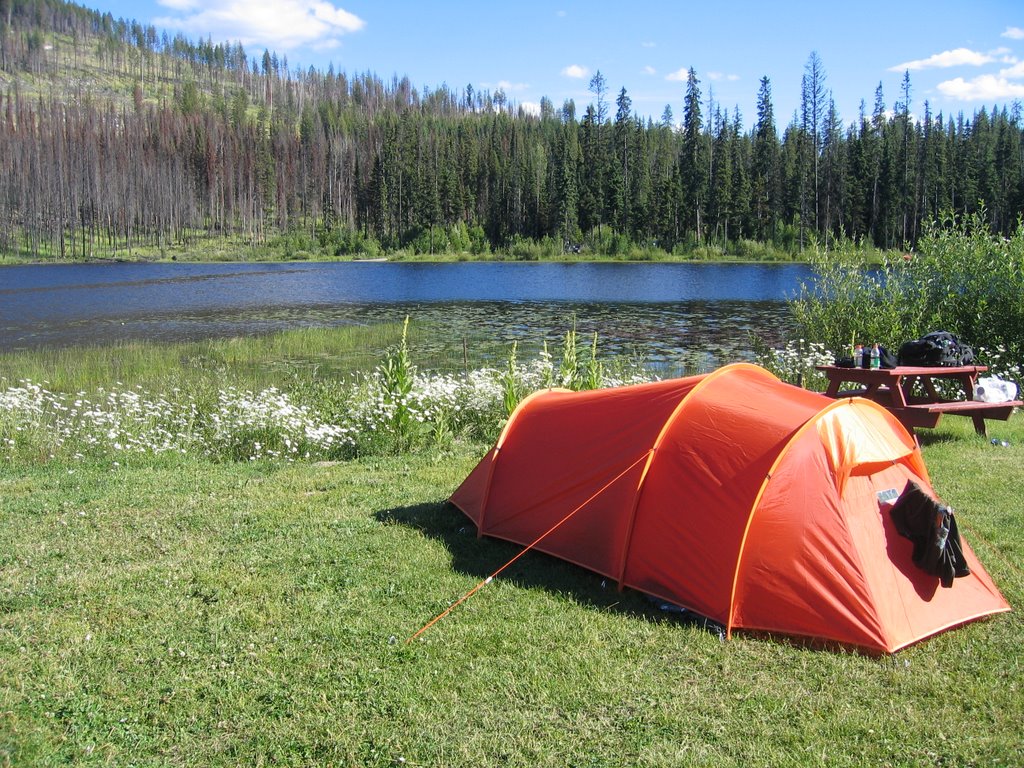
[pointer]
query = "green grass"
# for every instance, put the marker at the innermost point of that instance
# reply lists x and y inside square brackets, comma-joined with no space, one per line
[175,611]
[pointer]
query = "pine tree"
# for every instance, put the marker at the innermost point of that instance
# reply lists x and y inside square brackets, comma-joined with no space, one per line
[741,161]
[693,161]
[873,141]
[567,169]
[640,191]
[619,181]
[833,158]
[720,204]
[591,181]
[765,188]
[813,105]
[855,220]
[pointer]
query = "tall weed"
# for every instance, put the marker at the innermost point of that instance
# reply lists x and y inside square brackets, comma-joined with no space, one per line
[397,375]
[510,386]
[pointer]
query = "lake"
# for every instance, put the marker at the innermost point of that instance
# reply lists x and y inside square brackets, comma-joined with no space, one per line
[682,317]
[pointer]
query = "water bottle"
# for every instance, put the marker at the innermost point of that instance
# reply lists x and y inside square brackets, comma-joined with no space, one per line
[858,356]
[876,358]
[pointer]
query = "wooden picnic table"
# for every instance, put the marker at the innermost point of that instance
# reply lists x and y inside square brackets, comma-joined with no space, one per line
[911,394]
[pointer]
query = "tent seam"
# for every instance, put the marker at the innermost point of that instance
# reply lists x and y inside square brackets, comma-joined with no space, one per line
[653,452]
[505,432]
[834,405]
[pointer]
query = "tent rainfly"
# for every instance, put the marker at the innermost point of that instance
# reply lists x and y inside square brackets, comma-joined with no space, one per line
[755,503]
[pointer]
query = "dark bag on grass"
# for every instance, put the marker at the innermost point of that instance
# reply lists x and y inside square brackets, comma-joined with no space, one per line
[936,349]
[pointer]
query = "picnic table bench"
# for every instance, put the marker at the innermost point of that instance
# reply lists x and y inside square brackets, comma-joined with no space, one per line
[911,395]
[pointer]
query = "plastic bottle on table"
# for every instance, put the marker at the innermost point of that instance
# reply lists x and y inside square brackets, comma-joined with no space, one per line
[876,357]
[858,356]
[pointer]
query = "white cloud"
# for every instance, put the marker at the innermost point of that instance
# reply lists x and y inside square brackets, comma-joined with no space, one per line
[678,75]
[1014,72]
[180,5]
[983,88]
[530,107]
[576,72]
[1014,33]
[958,57]
[508,86]
[561,14]
[722,76]
[1003,55]
[276,24]
[649,45]
[327,44]
[891,114]
[649,70]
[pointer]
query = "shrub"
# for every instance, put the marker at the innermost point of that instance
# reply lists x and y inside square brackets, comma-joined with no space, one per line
[846,302]
[524,249]
[756,250]
[973,284]
[963,279]
[479,244]
[340,241]
[430,240]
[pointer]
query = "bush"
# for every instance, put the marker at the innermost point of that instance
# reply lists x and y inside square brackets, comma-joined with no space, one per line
[479,244]
[755,250]
[526,249]
[963,279]
[430,240]
[973,284]
[795,363]
[293,243]
[458,237]
[847,303]
[340,241]
[607,242]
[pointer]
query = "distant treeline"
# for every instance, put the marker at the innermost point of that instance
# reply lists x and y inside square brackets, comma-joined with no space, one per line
[186,139]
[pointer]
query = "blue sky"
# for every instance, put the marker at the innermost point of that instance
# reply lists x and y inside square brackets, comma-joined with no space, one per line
[961,55]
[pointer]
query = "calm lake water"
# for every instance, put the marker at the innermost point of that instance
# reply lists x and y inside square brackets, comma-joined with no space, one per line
[678,316]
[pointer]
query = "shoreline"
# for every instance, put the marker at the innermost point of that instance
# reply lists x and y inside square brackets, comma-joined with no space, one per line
[11,260]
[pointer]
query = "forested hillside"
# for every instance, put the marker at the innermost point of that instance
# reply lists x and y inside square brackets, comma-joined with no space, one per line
[114,136]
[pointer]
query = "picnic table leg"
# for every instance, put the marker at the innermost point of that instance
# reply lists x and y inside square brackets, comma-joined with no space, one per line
[929,387]
[897,393]
[967,382]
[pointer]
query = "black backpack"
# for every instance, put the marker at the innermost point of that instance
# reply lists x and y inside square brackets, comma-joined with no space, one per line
[938,348]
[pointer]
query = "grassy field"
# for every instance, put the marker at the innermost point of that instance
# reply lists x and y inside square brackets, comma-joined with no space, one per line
[178,610]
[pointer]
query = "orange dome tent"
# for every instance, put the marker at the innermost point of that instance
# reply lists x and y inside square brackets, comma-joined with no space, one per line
[750,501]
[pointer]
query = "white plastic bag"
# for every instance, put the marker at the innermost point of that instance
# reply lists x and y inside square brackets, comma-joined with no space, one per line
[992,389]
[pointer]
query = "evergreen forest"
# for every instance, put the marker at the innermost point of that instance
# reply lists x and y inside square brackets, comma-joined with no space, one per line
[116,137]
